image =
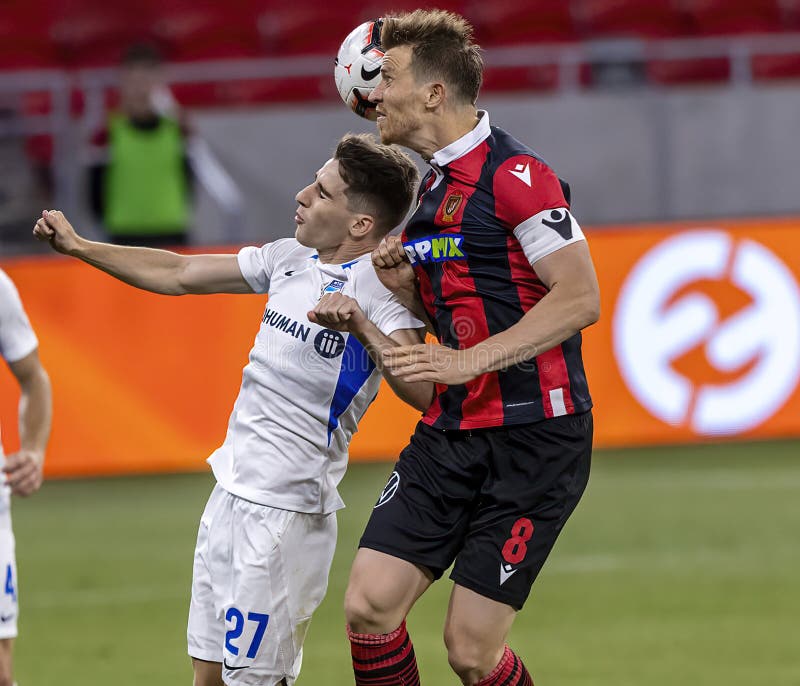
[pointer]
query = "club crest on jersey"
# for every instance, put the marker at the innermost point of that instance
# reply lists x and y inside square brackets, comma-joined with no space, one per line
[334,286]
[439,248]
[451,206]
[329,343]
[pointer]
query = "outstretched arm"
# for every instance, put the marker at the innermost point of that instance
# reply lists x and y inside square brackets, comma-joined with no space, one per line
[24,468]
[340,312]
[159,271]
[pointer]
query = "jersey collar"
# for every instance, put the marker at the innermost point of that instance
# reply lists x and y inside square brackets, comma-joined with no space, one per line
[465,144]
[327,267]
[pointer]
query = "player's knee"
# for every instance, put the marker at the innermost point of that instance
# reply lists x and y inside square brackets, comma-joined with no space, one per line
[470,659]
[5,678]
[366,614]
[464,659]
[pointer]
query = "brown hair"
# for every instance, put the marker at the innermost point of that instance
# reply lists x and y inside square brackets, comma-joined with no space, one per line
[381,179]
[442,47]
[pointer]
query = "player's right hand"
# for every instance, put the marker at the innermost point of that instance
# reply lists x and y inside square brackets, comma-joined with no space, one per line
[393,266]
[54,227]
[338,311]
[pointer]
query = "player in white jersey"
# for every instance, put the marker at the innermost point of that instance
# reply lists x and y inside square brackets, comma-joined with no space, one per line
[23,469]
[268,532]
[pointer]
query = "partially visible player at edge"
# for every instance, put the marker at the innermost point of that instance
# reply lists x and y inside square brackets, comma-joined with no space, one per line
[495,261]
[19,347]
[267,535]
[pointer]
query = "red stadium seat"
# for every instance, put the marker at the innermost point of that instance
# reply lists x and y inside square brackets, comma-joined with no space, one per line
[253,91]
[791,14]
[306,28]
[24,42]
[206,29]
[521,79]
[88,34]
[506,22]
[724,17]
[689,71]
[776,67]
[623,18]
[372,9]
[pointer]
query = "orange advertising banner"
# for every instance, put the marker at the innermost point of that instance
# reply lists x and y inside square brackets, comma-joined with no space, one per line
[699,339]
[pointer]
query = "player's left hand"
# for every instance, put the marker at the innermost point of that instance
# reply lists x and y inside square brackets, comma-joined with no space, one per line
[23,471]
[430,362]
[339,312]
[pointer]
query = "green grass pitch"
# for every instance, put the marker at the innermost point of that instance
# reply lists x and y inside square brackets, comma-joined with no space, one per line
[681,565]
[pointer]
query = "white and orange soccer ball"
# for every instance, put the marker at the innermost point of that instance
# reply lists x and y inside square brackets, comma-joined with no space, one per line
[357,68]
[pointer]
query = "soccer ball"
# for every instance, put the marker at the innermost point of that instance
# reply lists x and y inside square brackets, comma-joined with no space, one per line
[357,67]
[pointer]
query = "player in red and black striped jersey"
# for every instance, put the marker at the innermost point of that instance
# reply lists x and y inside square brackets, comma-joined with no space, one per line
[495,262]
[489,209]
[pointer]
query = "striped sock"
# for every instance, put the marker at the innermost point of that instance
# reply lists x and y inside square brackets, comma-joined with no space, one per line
[509,672]
[384,659]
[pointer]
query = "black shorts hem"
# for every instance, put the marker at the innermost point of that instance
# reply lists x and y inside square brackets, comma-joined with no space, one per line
[435,571]
[493,593]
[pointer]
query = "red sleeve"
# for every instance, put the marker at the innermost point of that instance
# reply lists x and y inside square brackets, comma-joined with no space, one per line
[524,186]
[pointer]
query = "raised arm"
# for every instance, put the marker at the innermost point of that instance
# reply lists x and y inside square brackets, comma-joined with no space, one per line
[24,468]
[159,271]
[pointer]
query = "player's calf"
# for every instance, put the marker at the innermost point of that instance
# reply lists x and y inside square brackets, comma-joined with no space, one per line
[384,659]
[475,634]
[6,653]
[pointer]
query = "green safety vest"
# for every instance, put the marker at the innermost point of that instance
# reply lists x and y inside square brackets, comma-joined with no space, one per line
[146,190]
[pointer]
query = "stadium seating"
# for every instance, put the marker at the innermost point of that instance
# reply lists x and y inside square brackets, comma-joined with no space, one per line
[191,30]
[75,34]
[23,45]
[89,34]
[726,17]
[506,22]
[688,71]
[768,67]
[630,18]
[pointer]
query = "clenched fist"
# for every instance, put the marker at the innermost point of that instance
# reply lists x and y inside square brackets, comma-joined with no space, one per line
[55,228]
[339,312]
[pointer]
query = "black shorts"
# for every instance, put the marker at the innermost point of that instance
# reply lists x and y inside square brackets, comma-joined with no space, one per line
[492,500]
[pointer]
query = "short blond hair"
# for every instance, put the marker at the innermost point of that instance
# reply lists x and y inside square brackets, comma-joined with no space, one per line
[442,48]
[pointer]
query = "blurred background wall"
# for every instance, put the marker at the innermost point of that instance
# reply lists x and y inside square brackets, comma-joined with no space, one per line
[629,156]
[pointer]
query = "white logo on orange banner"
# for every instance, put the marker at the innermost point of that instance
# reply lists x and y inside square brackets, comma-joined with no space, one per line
[664,314]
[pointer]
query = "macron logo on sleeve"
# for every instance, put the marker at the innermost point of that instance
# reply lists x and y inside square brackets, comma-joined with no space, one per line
[523,173]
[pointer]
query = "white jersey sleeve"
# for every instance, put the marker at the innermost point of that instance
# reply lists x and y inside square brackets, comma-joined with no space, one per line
[17,339]
[382,308]
[257,264]
[546,232]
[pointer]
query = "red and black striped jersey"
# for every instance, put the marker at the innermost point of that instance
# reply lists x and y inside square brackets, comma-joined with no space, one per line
[488,210]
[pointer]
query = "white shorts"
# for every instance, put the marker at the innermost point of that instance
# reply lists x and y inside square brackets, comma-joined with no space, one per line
[259,574]
[9,607]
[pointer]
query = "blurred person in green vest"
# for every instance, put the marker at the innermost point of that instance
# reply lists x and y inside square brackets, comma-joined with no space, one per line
[140,179]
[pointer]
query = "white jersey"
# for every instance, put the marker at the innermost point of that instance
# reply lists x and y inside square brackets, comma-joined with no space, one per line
[305,387]
[17,340]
